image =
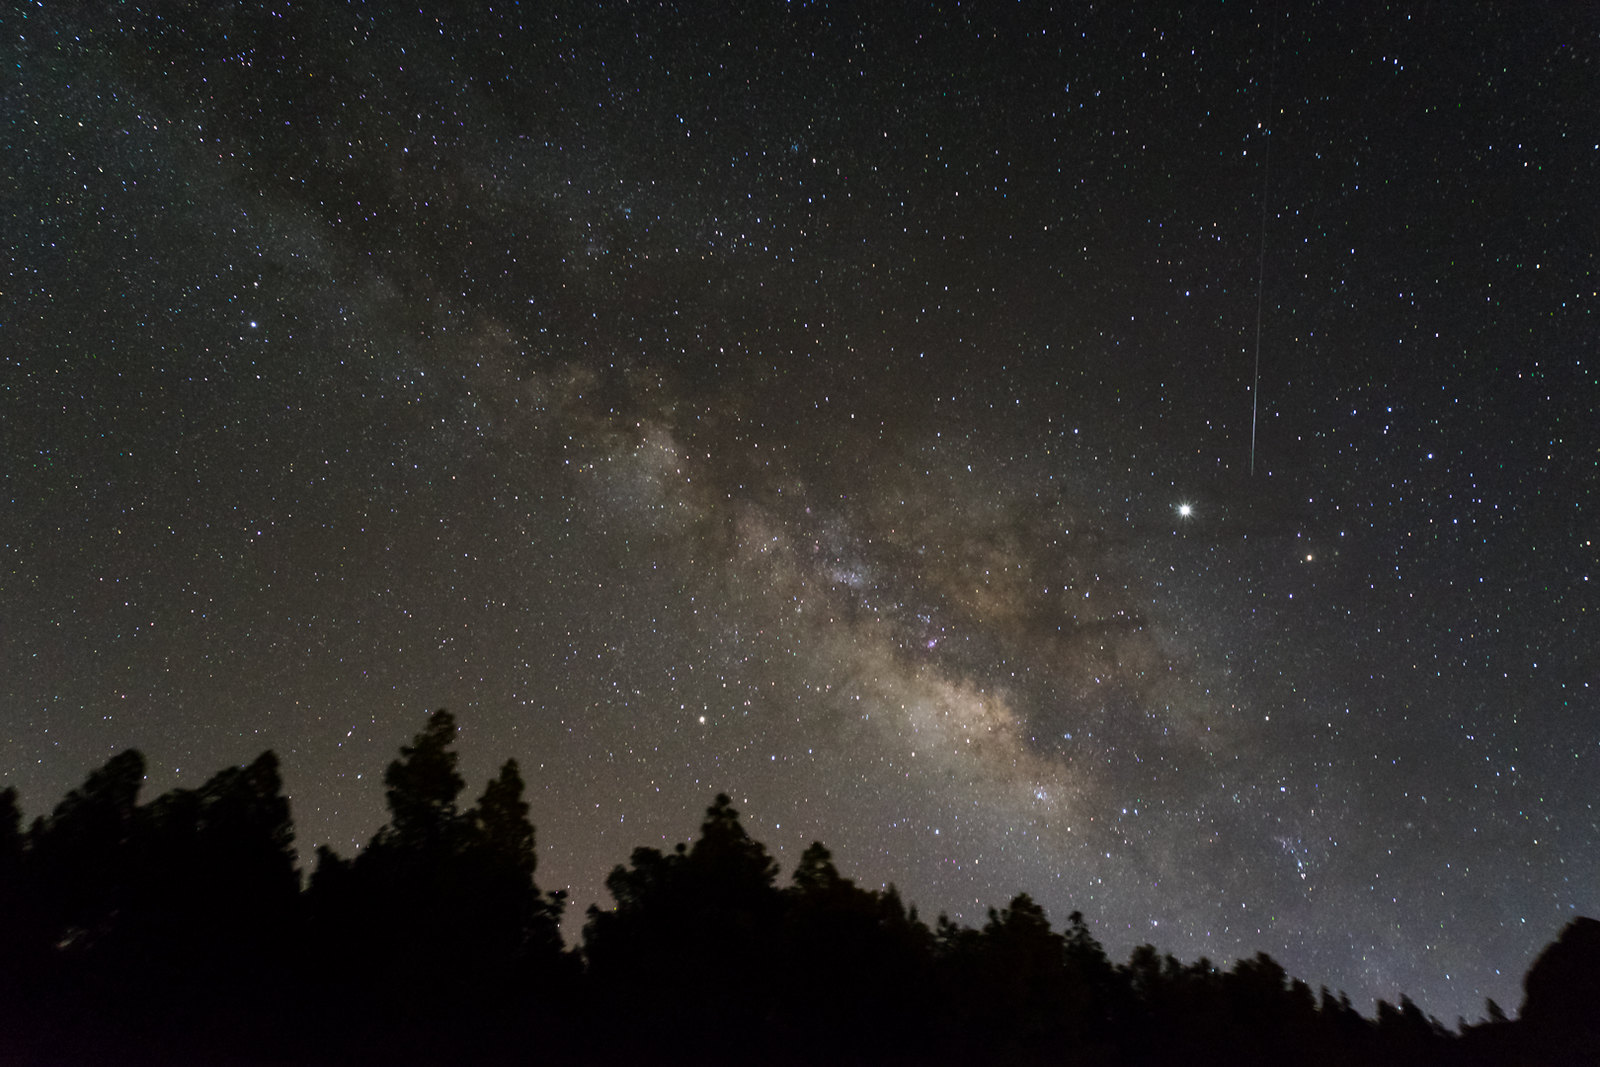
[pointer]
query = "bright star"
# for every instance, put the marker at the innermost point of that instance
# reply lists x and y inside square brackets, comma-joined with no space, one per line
[1185,510]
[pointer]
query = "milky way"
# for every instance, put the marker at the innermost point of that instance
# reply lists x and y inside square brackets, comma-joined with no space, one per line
[852,412]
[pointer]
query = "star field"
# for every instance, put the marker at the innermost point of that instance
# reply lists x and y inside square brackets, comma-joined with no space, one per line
[850,411]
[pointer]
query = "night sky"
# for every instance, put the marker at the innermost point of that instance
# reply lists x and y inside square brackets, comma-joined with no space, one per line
[851,408]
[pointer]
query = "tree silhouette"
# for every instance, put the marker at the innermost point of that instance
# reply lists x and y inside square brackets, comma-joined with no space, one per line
[698,921]
[71,885]
[1561,1003]
[513,930]
[421,789]
[210,906]
[1104,999]
[10,832]
[24,955]
[853,966]
[437,926]
[501,818]
[177,931]
[174,917]
[79,854]
[1271,1016]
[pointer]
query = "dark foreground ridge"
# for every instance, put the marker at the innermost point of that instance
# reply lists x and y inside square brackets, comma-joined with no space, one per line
[179,931]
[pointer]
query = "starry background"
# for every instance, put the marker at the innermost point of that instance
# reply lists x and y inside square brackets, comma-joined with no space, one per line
[851,411]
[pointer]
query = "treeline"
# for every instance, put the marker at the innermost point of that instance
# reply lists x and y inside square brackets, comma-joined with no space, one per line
[180,931]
